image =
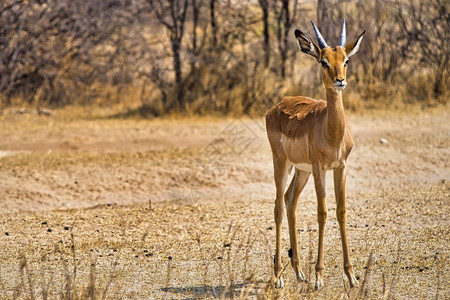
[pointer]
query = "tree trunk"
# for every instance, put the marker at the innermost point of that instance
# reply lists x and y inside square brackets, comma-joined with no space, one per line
[439,86]
[177,68]
[284,47]
[213,22]
[177,11]
[323,17]
[265,9]
[195,12]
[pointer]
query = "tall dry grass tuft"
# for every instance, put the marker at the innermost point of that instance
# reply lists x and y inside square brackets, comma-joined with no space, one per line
[70,289]
[25,279]
[90,291]
[438,285]
[169,272]
[364,289]
[392,286]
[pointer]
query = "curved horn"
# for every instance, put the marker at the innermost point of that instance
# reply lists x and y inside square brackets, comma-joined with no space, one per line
[343,38]
[322,43]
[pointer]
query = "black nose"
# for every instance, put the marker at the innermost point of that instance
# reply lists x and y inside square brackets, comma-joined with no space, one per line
[339,80]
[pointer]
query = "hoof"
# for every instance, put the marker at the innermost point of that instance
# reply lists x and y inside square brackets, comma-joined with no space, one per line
[301,277]
[279,283]
[353,281]
[319,284]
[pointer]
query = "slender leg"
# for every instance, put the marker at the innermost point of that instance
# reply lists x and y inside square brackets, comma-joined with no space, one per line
[339,190]
[280,174]
[291,200]
[319,183]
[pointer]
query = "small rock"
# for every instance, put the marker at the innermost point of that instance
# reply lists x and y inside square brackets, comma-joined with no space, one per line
[7,233]
[269,228]
[148,254]
[227,245]
[44,223]
[442,180]
[49,230]
[383,141]
[170,257]
[66,227]
[219,257]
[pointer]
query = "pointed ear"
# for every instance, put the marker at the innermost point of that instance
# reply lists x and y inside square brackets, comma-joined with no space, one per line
[353,46]
[307,45]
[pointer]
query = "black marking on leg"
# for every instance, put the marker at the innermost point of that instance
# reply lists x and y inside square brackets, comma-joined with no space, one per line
[290,252]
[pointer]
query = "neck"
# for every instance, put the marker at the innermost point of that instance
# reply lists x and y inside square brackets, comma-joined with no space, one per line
[335,122]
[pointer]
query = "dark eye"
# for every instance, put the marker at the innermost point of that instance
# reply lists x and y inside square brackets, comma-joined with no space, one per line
[324,63]
[346,62]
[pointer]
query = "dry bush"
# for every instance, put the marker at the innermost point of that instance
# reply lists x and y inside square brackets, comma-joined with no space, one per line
[214,56]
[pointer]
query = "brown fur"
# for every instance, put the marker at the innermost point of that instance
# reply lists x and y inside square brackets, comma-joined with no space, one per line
[294,115]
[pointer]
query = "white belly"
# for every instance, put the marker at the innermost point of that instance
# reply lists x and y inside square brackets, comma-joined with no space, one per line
[308,167]
[303,167]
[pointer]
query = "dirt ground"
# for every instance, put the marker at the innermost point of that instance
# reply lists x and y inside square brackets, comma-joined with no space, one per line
[183,209]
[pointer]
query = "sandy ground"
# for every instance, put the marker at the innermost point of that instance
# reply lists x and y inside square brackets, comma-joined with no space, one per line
[50,163]
[135,192]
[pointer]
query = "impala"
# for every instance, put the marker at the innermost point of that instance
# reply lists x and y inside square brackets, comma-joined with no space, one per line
[313,136]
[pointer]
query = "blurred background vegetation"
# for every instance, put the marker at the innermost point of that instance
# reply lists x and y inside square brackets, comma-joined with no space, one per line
[154,57]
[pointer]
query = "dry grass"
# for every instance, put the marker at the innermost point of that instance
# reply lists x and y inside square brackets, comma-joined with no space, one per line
[224,250]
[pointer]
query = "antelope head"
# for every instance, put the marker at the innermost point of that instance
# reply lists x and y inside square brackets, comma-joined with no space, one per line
[334,61]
